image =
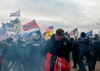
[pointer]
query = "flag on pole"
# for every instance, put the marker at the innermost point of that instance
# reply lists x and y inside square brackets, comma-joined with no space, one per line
[48,32]
[74,32]
[89,34]
[15,14]
[49,29]
[30,25]
[38,33]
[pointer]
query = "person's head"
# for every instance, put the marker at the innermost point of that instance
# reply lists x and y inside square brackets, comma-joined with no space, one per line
[71,39]
[96,36]
[59,34]
[83,34]
[9,40]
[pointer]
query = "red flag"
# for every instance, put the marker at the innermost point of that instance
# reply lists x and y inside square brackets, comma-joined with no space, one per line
[47,61]
[60,64]
[30,25]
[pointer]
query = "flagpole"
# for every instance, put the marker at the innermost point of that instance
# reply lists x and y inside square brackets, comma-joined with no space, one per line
[75,36]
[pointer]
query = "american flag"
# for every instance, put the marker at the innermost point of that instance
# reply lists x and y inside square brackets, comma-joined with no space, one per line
[74,32]
[49,29]
[15,14]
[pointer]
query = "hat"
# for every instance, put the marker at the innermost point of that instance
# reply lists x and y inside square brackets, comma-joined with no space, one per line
[60,32]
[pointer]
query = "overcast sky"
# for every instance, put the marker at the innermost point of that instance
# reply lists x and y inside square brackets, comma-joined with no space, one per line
[67,14]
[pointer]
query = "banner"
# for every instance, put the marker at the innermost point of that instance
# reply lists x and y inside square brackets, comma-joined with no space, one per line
[30,25]
[13,26]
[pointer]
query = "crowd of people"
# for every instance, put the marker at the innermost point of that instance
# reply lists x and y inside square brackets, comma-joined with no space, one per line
[42,55]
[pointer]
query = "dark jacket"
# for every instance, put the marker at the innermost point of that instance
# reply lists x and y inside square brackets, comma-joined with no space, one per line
[58,48]
[85,46]
[96,46]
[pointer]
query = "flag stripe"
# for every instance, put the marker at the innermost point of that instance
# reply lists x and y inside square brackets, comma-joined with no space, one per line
[50,29]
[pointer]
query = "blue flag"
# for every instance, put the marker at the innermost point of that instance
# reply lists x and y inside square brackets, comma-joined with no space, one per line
[89,34]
